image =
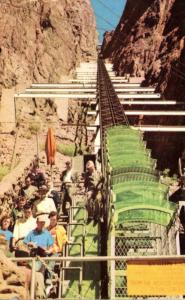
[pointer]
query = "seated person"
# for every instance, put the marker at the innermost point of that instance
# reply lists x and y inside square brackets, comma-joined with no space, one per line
[4,228]
[52,193]
[18,212]
[23,226]
[60,238]
[44,205]
[28,189]
[58,233]
[40,238]
[37,176]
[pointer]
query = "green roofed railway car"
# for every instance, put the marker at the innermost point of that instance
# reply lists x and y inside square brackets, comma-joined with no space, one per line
[141,216]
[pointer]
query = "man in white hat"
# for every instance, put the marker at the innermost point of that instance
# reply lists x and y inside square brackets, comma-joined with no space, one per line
[40,236]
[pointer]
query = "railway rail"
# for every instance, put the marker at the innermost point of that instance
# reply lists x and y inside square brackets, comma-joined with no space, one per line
[111,110]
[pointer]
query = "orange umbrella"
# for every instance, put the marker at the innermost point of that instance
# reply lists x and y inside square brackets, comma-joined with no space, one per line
[50,147]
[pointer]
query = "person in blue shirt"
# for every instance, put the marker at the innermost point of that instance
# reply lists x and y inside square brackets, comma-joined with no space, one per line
[40,237]
[4,228]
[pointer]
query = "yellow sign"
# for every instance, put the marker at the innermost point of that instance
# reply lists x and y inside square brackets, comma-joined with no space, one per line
[155,279]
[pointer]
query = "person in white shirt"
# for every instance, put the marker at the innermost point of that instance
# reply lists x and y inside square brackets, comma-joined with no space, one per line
[45,204]
[67,179]
[52,193]
[24,225]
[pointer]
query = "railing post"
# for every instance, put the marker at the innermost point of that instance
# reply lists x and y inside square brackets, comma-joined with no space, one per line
[60,283]
[32,290]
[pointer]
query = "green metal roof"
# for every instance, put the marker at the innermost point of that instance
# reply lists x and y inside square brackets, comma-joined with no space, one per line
[138,194]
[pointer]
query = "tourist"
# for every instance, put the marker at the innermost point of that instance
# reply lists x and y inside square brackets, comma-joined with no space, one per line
[45,204]
[52,193]
[40,238]
[28,189]
[23,226]
[37,176]
[58,233]
[4,228]
[18,212]
[67,179]
[93,185]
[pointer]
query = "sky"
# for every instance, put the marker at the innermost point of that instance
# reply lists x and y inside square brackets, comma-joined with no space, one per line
[108,13]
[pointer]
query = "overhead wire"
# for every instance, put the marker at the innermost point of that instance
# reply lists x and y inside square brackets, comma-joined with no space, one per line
[178,60]
[108,8]
[178,73]
[107,21]
[176,68]
[102,29]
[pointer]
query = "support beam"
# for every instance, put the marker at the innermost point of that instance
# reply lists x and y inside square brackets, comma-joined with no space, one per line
[148,128]
[83,73]
[158,128]
[50,95]
[56,94]
[93,81]
[80,90]
[85,97]
[67,84]
[146,113]
[154,113]
[128,84]
[75,88]
[92,113]
[139,96]
[94,77]
[134,89]
[157,102]
[62,85]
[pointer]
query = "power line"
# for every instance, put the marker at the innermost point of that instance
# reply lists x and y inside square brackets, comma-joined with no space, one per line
[179,62]
[107,21]
[108,8]
[178,73]
[182,78]
[102,29]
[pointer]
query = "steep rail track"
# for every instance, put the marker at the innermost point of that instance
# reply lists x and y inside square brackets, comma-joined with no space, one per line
[111,110]
[129,174]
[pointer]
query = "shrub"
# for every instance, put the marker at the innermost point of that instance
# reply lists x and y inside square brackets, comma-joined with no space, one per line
[166,172]
[34,127]
[68,150]
[4,170]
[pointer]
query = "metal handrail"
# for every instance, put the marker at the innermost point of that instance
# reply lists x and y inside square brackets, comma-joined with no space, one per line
[165,258]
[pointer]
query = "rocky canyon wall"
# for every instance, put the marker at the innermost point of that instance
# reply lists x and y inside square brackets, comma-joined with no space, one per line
[150,40]
[44,40]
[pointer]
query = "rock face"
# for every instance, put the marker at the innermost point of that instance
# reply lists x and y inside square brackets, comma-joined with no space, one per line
[43,40]
[150,40]
[12,280]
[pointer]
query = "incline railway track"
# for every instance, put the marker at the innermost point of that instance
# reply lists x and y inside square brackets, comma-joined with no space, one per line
[135,179]
[111,110]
